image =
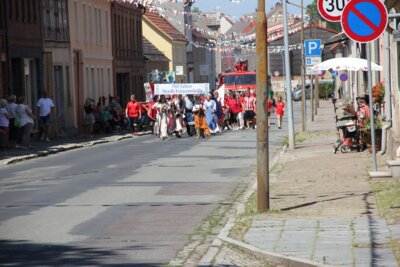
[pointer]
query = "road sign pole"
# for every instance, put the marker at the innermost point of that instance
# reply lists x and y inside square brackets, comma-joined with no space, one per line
[303,85]
[371,107]
[262,100]
[316,94]
[312,96]
[288,79]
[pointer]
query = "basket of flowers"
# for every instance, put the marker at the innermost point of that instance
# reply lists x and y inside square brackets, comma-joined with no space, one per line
[378,92]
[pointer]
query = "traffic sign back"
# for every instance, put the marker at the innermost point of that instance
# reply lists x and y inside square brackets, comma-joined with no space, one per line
[364,20]
[312,48]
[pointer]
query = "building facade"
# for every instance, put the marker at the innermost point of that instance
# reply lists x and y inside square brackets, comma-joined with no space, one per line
[3,50]
[154,60]
[91,53]
[24,42]
[128,62]
[169,41]
[57,63]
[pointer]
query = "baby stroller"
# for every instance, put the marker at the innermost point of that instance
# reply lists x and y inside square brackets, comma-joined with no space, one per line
[347,135]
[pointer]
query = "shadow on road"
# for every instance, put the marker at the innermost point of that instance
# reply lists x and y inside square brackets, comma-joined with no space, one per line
[21,253]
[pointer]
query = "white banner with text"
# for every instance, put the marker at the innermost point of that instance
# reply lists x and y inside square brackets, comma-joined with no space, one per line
[182,89]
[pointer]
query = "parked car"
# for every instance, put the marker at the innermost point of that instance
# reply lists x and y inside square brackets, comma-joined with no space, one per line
[296,94]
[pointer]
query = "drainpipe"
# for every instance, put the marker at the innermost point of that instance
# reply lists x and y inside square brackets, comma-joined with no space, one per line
[388,97]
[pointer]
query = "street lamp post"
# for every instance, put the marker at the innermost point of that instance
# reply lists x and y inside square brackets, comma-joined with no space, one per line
[288,79]
[262,100]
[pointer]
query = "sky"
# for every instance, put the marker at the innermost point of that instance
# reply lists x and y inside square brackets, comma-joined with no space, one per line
[243,7]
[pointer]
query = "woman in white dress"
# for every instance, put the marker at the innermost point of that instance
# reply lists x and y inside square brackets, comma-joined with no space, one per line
[211,114]
[162,117]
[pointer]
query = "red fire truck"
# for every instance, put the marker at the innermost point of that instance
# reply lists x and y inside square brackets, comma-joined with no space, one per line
[240,79]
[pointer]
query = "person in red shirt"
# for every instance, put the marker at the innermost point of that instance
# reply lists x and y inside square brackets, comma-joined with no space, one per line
[249,106]
[133,112]
[234,107]
[269,107]
[280,110]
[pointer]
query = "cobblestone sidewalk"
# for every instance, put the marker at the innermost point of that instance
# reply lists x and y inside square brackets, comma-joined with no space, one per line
[323,206]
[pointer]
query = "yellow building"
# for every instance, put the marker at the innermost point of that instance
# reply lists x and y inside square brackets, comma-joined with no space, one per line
[169,41]
[91,52]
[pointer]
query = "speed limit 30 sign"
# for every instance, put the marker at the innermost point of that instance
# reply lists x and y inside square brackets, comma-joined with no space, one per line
[331,10]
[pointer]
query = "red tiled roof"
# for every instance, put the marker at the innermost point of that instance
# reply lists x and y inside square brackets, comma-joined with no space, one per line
[164,26]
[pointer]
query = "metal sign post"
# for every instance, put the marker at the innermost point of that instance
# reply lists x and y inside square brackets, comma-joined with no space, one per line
[371,108]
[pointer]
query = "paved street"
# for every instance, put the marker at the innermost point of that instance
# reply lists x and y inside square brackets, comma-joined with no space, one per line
[134,201]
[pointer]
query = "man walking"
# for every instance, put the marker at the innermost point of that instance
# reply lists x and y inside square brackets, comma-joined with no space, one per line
[46,107]
[249,105]
[133,112]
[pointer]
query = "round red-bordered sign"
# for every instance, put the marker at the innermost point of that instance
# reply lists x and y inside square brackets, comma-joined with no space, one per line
[322,73]
[332,10]
[344,77]
[364,20]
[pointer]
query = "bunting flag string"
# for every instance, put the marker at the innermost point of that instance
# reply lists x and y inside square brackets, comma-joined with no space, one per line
[216,41]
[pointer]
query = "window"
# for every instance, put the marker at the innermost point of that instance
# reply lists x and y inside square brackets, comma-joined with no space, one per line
[96,24]
[68,86]
[99,26]
[90,24]
[23,8]
[240,79]
[99,82]
[93,80]
[107,28]
[109,80]
[34,11]
[85,24]
[29,11]
[88,81]
[76,21]
[17,6]
[11,8]
[102,82]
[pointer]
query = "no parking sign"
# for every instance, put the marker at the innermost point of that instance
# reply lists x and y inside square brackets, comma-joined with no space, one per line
[344,77]
[364,20]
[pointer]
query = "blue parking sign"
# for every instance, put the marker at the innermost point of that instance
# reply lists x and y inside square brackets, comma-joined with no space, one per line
[312,48]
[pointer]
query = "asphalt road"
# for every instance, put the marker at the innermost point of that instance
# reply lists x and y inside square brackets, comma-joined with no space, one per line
[132,202]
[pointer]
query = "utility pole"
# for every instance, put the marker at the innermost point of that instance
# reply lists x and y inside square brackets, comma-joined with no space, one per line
[303,82]
[288,80]
[262,103]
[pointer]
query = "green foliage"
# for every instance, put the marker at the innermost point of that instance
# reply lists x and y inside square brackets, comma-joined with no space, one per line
[325,90]
[196,10]
[312,11]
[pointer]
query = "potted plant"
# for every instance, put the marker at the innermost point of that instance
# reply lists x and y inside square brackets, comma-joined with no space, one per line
[366,135]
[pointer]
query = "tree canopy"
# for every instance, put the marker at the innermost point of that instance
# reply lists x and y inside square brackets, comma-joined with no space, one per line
[312,11]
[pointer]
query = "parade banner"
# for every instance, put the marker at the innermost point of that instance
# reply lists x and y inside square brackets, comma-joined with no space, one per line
[182,89]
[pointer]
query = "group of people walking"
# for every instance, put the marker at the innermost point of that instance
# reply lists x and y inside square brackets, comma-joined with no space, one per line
[17,121]
[199,115]
[196,115]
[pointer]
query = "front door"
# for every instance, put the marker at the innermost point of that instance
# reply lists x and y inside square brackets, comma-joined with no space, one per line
[78,85]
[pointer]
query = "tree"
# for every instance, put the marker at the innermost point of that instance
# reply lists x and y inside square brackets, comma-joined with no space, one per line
[312,11]
[196,10]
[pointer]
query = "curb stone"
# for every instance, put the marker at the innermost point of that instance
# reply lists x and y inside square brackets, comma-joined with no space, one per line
[64,148]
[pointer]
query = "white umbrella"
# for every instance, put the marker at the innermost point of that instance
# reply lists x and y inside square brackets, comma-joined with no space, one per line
[346,63]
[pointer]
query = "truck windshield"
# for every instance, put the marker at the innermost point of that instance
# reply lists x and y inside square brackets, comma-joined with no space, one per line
[240,79]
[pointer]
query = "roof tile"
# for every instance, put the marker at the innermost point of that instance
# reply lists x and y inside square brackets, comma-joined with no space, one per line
[164,26]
